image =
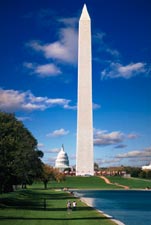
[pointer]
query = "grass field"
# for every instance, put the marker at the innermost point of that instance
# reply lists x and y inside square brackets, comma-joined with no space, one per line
[36,206]
[43,207]
[96,183]
[132,183]
[79,182]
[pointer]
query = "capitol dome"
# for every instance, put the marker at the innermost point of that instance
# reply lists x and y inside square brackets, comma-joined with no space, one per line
[62,161]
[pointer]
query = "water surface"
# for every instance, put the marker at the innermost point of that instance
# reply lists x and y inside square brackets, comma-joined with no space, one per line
[130,207]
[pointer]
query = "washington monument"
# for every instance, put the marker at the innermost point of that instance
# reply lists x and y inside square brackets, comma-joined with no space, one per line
[84,152]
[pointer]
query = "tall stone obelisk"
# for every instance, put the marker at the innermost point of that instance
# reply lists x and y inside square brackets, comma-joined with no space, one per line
[84,154]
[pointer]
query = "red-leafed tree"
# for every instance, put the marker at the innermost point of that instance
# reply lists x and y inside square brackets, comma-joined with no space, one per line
[50,173]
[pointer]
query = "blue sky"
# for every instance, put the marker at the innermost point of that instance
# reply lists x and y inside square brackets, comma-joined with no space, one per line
[38,75]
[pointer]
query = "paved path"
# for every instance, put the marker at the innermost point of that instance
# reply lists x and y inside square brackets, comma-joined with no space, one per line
[107,181]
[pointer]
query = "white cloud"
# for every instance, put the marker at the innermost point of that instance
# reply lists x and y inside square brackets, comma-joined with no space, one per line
[28,65]
[103,137]
[107,53]
[55,150]
[23,118]
[98,37]
[67,106]
[113,52]
[56,50]
[64,50]
[50,161]
[121,146]
[137,153]
[13,101]
[46,70]
[135,158]
[58,133]
[132,136]
[111,58]
[116,70]
[40,145]
[108,161]
[96,106]
[69,22]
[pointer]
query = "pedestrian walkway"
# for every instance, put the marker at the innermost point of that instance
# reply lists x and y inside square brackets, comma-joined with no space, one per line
[107,181]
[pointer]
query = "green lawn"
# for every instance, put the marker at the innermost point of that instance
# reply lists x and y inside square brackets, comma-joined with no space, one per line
[79,183]
[133,183]
[27,208]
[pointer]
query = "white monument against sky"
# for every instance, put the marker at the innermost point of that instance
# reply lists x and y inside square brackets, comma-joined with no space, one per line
[84,154]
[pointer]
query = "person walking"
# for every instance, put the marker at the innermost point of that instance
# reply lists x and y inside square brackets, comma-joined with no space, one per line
[69,208]
[74,204]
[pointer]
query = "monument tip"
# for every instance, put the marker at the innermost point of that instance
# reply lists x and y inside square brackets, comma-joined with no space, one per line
[85,7]
[85,14]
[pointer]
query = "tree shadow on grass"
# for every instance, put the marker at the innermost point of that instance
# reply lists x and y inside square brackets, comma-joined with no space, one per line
[29,200]
[32,200]
[53,218]
[31,194]
[40,207]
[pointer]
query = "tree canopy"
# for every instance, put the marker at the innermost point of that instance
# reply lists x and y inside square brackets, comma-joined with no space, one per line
[20,159]
[50,173]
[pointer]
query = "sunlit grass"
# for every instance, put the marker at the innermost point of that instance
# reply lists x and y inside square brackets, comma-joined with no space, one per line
[79,183]
[42,207]
[132,183]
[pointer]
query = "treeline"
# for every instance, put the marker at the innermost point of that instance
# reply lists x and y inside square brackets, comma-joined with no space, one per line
[121,170]
[20,159]
[138,172]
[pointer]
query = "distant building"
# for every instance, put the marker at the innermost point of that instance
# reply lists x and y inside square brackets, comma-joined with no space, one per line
[146,167]
[62,161]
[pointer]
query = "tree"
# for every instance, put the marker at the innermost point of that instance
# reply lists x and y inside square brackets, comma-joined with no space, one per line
[58,175]
[142,174]
[96,167]
[50,173]
[148,174]
[47,174]
[145,174]
[20,159]
[134,171]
